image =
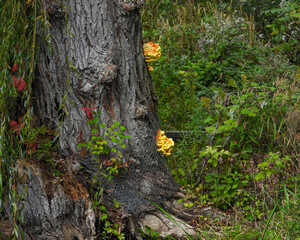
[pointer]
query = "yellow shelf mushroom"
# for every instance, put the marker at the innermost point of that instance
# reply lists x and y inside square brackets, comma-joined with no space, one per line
[163,143]
[152,51]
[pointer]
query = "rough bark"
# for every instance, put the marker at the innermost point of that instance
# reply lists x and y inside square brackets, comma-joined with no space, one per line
[105,47]
[57,208]
[102,40]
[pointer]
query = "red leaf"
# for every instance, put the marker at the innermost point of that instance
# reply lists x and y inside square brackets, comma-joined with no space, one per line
[12,123]
[14,68]
[22,84]
[80,138]
[83,152]
[17,128]
[15,81]
[31,147]
[89,114]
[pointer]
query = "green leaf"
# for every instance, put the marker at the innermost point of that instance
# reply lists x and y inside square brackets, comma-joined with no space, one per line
[181,171]
[102,208]
[94,137]
[229,121]
[249,112]
[234,107]
[113,138]
[234,124]
[210,129]
[215,163]
[73,68]
[225,127]
[103,216]
[260,176]
[269,173]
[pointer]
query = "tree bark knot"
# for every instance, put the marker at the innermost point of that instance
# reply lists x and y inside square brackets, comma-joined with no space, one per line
[130,5]
[141,111]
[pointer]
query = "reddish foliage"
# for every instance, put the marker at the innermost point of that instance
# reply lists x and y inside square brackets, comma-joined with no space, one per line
[19,84]
[89,112]
[110,190]
[31,147]
[83,152]
[14,68]
[16,126]
[80,138]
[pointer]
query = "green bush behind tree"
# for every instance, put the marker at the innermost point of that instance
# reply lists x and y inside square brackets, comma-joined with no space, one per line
[228,73]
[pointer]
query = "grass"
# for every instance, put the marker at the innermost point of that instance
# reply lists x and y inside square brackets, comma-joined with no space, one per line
[281,222]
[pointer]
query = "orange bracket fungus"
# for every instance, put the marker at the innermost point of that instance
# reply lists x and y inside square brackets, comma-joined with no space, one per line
[152,52]
[163,143]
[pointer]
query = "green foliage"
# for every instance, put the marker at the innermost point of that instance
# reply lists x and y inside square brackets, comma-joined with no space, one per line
[102,146]
[109,229]
[228,189]
[149,233]
[204,49]
[273,164]
[253,119]
[106,151]
[276,22]
[283,30]
[226,74]
[17,51]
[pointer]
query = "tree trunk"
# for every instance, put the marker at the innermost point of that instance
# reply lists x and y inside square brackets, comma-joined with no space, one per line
[102,41]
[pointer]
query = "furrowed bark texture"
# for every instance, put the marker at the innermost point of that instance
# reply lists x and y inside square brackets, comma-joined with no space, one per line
[102,41]
[57,208]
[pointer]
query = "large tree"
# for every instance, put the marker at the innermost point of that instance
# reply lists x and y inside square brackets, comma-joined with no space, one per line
[95,60]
